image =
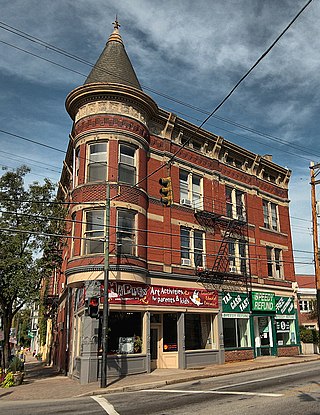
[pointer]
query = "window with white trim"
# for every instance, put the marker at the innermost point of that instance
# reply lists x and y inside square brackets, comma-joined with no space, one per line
[238,258]
[190,189]
[270,215]
[94,232]
[192,247]
[126,233]
[306,306]
[76,166]
[274,262]
[127,164]
[235,203]
[97,162]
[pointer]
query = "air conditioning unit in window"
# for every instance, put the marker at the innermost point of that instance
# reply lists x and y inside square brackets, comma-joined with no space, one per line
[185,202]
[185,261]
[233,268]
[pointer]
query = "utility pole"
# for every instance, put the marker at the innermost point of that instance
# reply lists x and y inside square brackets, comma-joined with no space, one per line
[105,315]
[313,183]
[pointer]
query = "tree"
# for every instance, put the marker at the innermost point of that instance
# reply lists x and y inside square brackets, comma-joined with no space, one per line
[31,222]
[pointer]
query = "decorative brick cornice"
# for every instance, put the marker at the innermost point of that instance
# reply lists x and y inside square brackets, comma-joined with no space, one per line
[115,268]
[114,122]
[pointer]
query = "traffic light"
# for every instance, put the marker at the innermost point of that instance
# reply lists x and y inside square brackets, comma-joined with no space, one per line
[166,191]
[93,307]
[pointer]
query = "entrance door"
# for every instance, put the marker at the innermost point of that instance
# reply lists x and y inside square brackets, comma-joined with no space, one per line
[154,347]
[263,335]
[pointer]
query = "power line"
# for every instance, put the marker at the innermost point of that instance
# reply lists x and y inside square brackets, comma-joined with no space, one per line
[242,79]
[47,45]
[71,221]
[261,258]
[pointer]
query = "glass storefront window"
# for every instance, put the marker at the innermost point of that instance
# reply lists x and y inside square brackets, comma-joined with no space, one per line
[236,332]
[125,333]
[170,337]
[286,332]
[198,331]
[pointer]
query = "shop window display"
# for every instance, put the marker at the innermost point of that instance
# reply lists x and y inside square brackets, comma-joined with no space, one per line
[236,332]
[198,331]
[125,333]
[286,332]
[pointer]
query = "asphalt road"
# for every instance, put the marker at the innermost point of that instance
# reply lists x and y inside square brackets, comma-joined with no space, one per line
[292,389]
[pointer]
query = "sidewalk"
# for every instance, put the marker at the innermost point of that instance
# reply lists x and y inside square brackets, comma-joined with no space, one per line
[43,382]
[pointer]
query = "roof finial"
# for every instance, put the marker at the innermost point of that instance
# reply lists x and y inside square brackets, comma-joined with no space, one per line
[116,23]
[115,35]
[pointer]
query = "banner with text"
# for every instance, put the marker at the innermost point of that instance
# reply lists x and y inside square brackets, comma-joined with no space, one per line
[157,295]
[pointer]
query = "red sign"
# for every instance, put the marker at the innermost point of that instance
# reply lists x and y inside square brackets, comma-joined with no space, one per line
[157,295]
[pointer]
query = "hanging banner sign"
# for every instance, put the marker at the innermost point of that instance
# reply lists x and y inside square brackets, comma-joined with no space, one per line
[157,295]
[263,301]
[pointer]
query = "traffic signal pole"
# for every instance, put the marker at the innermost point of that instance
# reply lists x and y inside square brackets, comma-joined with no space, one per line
[313,183]
[105,315]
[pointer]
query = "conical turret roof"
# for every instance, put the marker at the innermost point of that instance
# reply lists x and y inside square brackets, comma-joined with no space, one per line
[113,65]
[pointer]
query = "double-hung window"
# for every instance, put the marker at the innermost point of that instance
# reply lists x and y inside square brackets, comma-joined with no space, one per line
[235,203]
[94,232]
[306,306]
[190,189]
[126,234]
[238,260]
[127,164]
[274,262]
[97,162]
[76,166]
[270,215]
[192,252]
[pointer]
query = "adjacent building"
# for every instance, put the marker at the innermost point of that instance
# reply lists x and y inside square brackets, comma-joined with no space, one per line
[201,274]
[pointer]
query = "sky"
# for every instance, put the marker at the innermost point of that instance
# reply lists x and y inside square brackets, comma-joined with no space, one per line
[193,52]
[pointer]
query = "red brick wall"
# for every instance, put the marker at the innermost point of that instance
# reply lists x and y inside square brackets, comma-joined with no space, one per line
[237,355]
[288,351]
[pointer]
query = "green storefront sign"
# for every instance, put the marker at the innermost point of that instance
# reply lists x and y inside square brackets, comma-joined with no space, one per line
[235,302]
[284,305]
[263,301]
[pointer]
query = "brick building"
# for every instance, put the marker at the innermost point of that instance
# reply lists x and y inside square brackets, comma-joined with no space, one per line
[204,279]
[307,296]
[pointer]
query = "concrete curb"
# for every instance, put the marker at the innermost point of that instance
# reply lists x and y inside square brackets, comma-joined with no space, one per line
[161,383]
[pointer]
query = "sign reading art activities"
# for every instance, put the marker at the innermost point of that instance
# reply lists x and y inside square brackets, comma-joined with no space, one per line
[263,301]
[157,295]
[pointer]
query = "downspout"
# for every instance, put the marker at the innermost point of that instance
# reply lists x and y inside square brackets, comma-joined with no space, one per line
[67,330]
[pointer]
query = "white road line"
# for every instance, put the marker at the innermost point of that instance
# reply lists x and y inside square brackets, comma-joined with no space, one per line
[271,395]
[105,405]
[263,379]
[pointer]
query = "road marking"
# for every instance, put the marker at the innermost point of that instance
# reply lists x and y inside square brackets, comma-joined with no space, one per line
[107,406]
[271,395]
[263,379]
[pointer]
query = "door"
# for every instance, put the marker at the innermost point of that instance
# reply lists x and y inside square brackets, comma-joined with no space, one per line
[154,347]
[263,335]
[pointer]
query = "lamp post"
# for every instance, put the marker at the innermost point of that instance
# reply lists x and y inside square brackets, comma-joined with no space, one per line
[105,315]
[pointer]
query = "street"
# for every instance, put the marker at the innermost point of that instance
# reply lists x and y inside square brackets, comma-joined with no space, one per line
[292,389]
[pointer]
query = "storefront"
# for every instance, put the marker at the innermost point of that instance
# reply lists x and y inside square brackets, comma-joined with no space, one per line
[237,326]
[259,324]
[152,326]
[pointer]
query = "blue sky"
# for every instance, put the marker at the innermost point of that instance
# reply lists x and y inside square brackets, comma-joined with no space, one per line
[193,51]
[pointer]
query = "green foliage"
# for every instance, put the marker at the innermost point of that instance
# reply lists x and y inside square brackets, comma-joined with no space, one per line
[16,365]
[8,381]
[22,322]
[32,223]
[309,335]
